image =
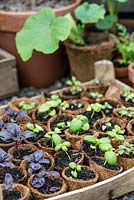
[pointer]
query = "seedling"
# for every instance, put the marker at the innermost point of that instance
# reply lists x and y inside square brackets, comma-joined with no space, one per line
[126,149]
[40,180]
[75,168]
[95,95]
[127,112]
[75,85]
[128,94]
[110,157]
[106,124]
[78,124]
[12,132]
[36,161]
[34,128]
[94,108]
[116,133]
[64,105]
[106,107]
[26,106]
[10,112]
[8,182]
[56,138]
[5,159]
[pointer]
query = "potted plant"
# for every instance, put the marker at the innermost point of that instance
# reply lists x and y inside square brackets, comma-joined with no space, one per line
[125,113]
[127,97]
[12,191]
[37,162]
[124,45]
[29,73]
[131,73]
[126,155]
[46,185]
[92,97]
[79,176]
[89,47]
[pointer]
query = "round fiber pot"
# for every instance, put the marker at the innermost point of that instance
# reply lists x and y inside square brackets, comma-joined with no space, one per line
[24,191]
[41,70]
[126,163]
[104,173]
[131,73]
[40,196]
[82,58]
[75,184]
[63,95]
[45,148]
[130,127]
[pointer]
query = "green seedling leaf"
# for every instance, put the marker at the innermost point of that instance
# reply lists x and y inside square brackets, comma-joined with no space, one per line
[106,23]
[105,140]
[21,104]
[119,137]
[90,139]
[56,139]
[43,108]
[42,32]
[67,144]
[90,13]
[72,165]
[58,147]
[30,126]
[105,147]
[75,126]
[78,168]
[110,157]
[74,174]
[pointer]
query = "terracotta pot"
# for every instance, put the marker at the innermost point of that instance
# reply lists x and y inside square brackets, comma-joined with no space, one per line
[41,70]
[104,173]
[75,184]
[131,73]
[23,147]
[130,127]
[25,192]
[82,59]
[79,161]
[121,73]
[25,163]
[40,196]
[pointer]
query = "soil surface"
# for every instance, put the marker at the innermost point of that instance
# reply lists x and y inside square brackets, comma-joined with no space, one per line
[123,98]
[75,106]
[43,117]
[47,142]
[37,136]
[92,118]
[84,174]
[103,164]
[91,152]
[32,5]
[59,120]
[16,174]
[49,183]
[103,128]
[11,195]
[63,160]
[20,153]
[69,94]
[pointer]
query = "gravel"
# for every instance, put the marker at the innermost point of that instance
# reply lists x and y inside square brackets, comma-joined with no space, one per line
[30,92]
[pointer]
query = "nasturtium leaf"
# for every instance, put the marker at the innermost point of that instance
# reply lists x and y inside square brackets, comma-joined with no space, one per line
[106,23]
[90,13]
[42,32]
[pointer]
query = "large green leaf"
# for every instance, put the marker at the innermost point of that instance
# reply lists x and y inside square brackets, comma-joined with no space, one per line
[122,1]
[42,32]
[90,13]
[106,23]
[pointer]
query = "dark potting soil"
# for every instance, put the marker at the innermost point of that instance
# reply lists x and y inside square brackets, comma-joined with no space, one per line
[16,174]
[92,118]
[84,174]
[75,106]
[91,152]
[131,155]
[6,142]
[49,183]
[69,94]
[102,163]
[123,99]
[11,195]
[37,136]
[59,120]
[20,153]
[119,65]
[27,5]
[101,127]
[47,142]
[43,117]
[63,160]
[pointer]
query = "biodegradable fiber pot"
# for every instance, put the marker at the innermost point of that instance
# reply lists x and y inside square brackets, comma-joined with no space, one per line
[82,58]
[41,70]
[24,191]
[75,184]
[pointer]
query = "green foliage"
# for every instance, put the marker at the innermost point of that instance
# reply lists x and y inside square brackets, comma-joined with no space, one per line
[106,124]
[111,157]
[42,32]
[128,94]
[90,13]
[75,85]
[116,133]
[106,23]
[95,82]
[126,112]
[97,96]
[34,127]
[75,168]
[125,45]
[126,149]
[79,123]
[26,106]
[95,107]
[64,105]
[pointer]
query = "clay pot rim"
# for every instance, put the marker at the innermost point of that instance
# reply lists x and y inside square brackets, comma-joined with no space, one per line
[80,180]
[104,44]
[27,14]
